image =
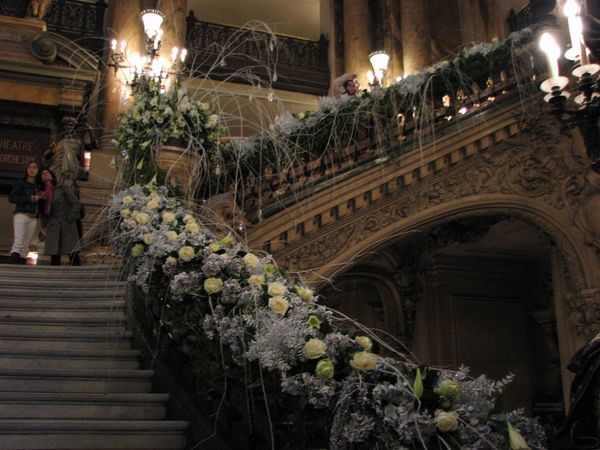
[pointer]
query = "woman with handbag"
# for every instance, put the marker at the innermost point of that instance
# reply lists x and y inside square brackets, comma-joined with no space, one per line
[60,217]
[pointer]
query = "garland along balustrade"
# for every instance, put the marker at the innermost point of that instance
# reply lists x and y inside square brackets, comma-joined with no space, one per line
[283,164]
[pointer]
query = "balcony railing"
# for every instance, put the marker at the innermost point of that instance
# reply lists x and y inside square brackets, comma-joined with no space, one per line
[225,52]
[80,21]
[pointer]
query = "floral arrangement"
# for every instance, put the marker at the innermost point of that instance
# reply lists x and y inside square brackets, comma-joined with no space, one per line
[249,306]
[154,118]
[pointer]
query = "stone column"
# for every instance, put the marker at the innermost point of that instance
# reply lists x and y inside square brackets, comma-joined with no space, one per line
[357,38]
[472,23]
[335,36]
[393,40]
[174,26]
[416,34]
[125,24]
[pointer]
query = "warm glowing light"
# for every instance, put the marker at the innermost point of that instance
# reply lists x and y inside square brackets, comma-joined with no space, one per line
[113,44]
[379,61]
[183,54]
[549,46]
[571,8]
[174,53]
[123,46]
[152,20]
[370,77]
[463,110]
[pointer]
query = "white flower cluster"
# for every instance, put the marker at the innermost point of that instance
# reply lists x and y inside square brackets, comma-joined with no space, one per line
[264,316]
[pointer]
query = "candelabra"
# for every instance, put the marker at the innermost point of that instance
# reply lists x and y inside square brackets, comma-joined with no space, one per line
[138,70]
[583,109]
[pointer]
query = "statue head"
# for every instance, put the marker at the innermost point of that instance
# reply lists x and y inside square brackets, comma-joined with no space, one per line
[69,123]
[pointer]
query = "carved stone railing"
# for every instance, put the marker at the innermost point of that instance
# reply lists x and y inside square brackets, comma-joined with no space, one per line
[80,21]
[224,52]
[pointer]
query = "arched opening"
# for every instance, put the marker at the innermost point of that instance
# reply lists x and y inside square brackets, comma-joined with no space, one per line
[477,291]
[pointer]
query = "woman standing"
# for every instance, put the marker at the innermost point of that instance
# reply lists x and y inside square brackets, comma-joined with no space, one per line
[60,216]
[25,196]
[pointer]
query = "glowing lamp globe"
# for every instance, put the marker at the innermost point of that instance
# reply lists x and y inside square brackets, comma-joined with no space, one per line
[152,20]
[379,60]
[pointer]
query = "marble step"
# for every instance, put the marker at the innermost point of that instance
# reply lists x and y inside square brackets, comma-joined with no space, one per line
[74,294]
[69,316]
[42,405]
[44,304]
[74,380]
[91,434]
[69,359]
[38,323]
[58,282]
[77,273]
[54,340]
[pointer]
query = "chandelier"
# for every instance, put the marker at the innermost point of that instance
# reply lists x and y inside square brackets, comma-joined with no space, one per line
[138,71]
[583,108]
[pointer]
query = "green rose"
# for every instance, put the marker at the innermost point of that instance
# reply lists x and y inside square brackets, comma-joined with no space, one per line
[448,388]
[137,250]
[325,369]
[305,294]
[227,241]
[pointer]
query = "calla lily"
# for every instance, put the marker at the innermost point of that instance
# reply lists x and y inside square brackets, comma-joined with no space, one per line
[516,440]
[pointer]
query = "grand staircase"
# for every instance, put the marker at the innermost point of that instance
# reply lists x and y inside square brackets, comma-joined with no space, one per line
[68,376]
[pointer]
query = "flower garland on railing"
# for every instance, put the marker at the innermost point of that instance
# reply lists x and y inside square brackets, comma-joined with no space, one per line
[297,138]
[262,316]
[154,118]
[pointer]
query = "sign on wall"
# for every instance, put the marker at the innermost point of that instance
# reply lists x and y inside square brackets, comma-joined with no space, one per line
[18,146]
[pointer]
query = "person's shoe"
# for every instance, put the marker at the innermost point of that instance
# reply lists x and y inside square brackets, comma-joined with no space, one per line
[15,258]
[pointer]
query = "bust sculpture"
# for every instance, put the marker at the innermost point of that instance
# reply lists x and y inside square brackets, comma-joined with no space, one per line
[38,8]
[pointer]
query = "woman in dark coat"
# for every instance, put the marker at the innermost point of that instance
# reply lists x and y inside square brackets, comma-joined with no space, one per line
[60,219]
[25,195]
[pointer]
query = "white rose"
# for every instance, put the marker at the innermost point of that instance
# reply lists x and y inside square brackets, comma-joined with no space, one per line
[125,213]
[314,348]
[172,235]
[364,342]
[188,218]
[250,259]
[149,238]
[171,262]
[127,200]
[446,421]
[142,218]
[152,204]
[192,227]
[186,253]
[168,217]
[277,288]
[279,304]
[256,280]
[364,361]
[213,285]
[305,294]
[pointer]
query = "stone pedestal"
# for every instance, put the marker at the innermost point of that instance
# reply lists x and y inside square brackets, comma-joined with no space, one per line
[416,35]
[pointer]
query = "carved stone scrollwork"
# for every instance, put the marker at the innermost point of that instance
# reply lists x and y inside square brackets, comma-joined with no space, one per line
[585,311]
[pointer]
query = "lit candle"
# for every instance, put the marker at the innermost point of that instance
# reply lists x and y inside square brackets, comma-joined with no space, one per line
[113,45]
[571,11]
[183,54]
[370,77]
[174,53]
[549,46]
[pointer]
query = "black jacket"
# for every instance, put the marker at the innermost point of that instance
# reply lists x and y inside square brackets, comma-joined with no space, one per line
[21,196]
